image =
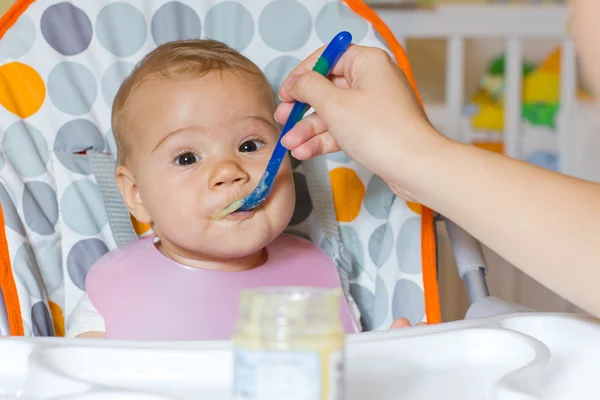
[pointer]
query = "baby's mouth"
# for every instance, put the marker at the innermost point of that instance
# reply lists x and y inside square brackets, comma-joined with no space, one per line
[224,213]
[240,215]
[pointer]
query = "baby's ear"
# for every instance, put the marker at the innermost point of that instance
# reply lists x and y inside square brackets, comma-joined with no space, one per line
[131,194]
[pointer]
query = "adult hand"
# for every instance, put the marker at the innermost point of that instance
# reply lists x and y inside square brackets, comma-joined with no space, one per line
[367,109]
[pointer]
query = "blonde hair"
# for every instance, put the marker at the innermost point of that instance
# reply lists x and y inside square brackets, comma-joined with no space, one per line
[178,59]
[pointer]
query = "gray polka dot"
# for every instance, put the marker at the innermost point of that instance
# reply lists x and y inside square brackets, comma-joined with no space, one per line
[27,271]
[303,203]
[41,320]
[285,25]
[121,29]
[76,136]
[380,304]
[230,23]
[353,245]
[48,255]
[40,207]
[72,88]
[336,17]
[277,70]
[112,144]
[381,244]
[83,208]
[299,234]
[9,211]
[19,39]
[112,79]
[339,157]
[408,301]
[175,21]
[82,257]
[26,149]
[365,302]
[408,246]
[66,28]
[379,198]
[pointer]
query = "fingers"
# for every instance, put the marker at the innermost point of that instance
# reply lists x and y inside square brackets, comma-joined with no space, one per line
[306,65]
[341,74]
[400,323]
[316,146]
[314,89]
[304,130]
[309,138]
[357,63]
[404,323]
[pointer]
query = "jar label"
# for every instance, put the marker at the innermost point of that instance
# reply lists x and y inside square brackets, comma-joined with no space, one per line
[290,375]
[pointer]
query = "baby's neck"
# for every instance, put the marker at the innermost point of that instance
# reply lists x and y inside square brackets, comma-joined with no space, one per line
[245,263]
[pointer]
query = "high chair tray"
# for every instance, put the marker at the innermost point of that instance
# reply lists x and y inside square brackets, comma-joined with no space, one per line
[517,356]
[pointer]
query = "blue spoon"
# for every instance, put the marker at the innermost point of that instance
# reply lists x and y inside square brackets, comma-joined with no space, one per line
[332,53]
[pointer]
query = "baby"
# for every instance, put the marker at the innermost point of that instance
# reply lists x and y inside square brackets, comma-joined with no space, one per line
[194,128]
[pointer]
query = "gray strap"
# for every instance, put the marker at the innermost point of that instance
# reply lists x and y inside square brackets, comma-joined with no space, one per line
[321,196]
[119,220]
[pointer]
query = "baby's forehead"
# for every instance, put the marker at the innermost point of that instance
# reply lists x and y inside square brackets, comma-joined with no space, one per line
[241,97]
[254,88]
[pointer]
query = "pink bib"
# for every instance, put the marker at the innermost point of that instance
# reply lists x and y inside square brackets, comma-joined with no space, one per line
[144,295]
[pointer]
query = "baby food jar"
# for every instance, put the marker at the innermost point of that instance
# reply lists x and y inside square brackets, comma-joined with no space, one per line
[289,344]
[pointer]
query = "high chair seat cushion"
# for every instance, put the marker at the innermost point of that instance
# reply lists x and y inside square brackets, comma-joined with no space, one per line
[62,63]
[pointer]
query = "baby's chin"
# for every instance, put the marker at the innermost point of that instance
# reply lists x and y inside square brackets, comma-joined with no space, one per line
[223,243]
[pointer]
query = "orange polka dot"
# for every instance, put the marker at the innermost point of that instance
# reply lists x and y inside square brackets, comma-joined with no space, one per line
[57,318]
[139,227]
[348,193]
[415,207]
[22,90]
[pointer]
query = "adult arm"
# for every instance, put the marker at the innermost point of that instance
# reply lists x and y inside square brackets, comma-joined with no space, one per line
[542,222]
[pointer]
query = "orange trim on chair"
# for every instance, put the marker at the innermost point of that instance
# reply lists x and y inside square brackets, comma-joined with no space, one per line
[428,238]
[7,280]
[13,14]
[8,285]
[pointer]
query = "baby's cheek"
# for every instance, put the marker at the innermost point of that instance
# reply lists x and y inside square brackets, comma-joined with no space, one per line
[288,198]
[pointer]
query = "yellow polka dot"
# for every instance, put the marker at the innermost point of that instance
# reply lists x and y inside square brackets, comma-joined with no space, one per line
[22,90]
[415,207]
[348,193]
[57,318]
[139,227]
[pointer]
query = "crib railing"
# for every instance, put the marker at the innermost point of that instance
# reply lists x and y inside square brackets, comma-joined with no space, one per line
[514,24]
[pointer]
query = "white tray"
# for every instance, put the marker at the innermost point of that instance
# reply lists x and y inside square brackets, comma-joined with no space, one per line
[518,356]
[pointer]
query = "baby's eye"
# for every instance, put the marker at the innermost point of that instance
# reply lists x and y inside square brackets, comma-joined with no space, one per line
[250,146]
[187,159]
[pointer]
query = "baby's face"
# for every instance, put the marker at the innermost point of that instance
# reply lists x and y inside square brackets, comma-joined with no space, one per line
[201,144]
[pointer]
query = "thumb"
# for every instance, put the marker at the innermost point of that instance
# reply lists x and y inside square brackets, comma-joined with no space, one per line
[313,89]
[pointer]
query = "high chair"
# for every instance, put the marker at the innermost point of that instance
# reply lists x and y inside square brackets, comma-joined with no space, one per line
[62,63]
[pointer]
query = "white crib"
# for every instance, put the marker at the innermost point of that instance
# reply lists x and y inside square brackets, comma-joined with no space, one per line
[514,24]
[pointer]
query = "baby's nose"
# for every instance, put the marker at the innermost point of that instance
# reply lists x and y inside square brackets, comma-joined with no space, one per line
[226,174]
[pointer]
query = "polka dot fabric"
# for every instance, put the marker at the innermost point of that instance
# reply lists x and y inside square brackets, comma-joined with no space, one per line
[62,63]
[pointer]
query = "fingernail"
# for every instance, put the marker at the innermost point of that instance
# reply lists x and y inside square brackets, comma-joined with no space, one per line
[275,117]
